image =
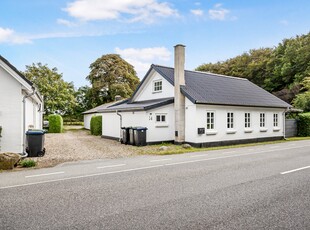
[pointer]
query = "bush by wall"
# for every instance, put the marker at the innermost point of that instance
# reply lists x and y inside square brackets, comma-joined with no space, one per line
[96,125]
[55,123]
[303,125]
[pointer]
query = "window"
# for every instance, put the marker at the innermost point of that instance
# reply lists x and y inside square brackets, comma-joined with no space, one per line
[247,120]
[230,120]
[262,121]
[157,86]
[275,120]
[161,118]
[210,120]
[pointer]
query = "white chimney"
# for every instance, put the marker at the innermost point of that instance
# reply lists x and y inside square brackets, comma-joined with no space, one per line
[179,98]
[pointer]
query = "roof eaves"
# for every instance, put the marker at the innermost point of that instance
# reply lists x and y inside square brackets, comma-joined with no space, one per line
[157,68]
[256,106]
[141,83]
[183,91]
[167,102]
[15,70]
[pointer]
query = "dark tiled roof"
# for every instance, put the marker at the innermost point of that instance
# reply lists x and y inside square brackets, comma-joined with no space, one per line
[138,106]
[15,70]
[208,88]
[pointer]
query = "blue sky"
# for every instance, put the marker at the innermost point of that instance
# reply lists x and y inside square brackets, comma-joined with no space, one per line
[71,34]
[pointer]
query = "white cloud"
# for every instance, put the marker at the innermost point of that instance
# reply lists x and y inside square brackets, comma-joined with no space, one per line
[284,22]
[9,36]
[219,13]
[197,12]
[64,22]
[141,59]
[129,10]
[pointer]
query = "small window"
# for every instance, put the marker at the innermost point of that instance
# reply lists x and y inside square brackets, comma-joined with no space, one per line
[210,120]
[275,120]
[157,86]
[247,120]
[262,120]
[230,120]
[161,118]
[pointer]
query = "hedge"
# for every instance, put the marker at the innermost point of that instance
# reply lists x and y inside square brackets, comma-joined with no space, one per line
[55,123]
[96,125]
[304,125]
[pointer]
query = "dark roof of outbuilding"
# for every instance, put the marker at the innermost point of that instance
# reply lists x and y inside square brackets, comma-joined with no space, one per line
[104,106]
[138,105]
[208,88]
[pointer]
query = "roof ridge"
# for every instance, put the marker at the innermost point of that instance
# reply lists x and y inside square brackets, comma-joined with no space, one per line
[202,72]
[219,75]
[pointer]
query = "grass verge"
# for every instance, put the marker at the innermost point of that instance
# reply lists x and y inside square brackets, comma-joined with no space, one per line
[177,149]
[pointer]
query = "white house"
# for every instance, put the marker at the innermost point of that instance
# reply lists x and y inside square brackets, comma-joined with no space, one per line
[202,109]
[87,115]
[20,108]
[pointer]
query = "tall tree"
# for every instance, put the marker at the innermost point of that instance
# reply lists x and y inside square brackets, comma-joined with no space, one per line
[58,94]
[302,100]
[110,75]
[279,70]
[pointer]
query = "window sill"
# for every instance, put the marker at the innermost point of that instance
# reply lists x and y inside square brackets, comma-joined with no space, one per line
[276,129]
[157,91]
[231,131]
[263,129]
[209,133]
[161,125]
[248,130]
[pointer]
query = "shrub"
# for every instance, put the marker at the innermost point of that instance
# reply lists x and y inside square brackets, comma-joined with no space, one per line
[304,125]
[96,125]
[27,163]
[55,123]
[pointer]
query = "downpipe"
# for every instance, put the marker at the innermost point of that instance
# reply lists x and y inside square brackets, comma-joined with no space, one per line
[121,122]
[283,114]
[25,154]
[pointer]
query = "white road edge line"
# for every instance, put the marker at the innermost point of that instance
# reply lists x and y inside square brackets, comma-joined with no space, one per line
[200,155]
[46,174]
[295,170]
[110,166]
[166,159]
[78,177]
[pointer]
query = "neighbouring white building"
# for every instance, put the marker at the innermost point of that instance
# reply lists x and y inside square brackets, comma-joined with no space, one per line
[199,108]
[21,108]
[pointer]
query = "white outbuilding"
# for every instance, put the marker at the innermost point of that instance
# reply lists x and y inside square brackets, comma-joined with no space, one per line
[21,108]
[199,108]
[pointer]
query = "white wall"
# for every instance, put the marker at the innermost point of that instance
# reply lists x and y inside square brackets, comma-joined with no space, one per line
[146,91]
[155,133]
[87,118]
[10,113]
[221,133]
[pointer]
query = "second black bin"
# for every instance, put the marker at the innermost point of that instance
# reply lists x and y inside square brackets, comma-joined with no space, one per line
[139,134]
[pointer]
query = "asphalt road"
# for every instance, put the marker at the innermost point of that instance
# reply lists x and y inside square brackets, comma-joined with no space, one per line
[262,187]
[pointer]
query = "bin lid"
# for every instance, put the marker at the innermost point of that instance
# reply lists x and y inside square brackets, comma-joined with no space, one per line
[35,132]
[139,128]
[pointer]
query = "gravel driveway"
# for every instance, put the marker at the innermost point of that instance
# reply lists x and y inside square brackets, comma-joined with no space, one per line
[76,145]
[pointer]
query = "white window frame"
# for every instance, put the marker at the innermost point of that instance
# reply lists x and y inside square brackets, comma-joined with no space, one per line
[157,88]
[230,123]
[210,124]
[275,120]
[162,122]
[247,120]
[262,120]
